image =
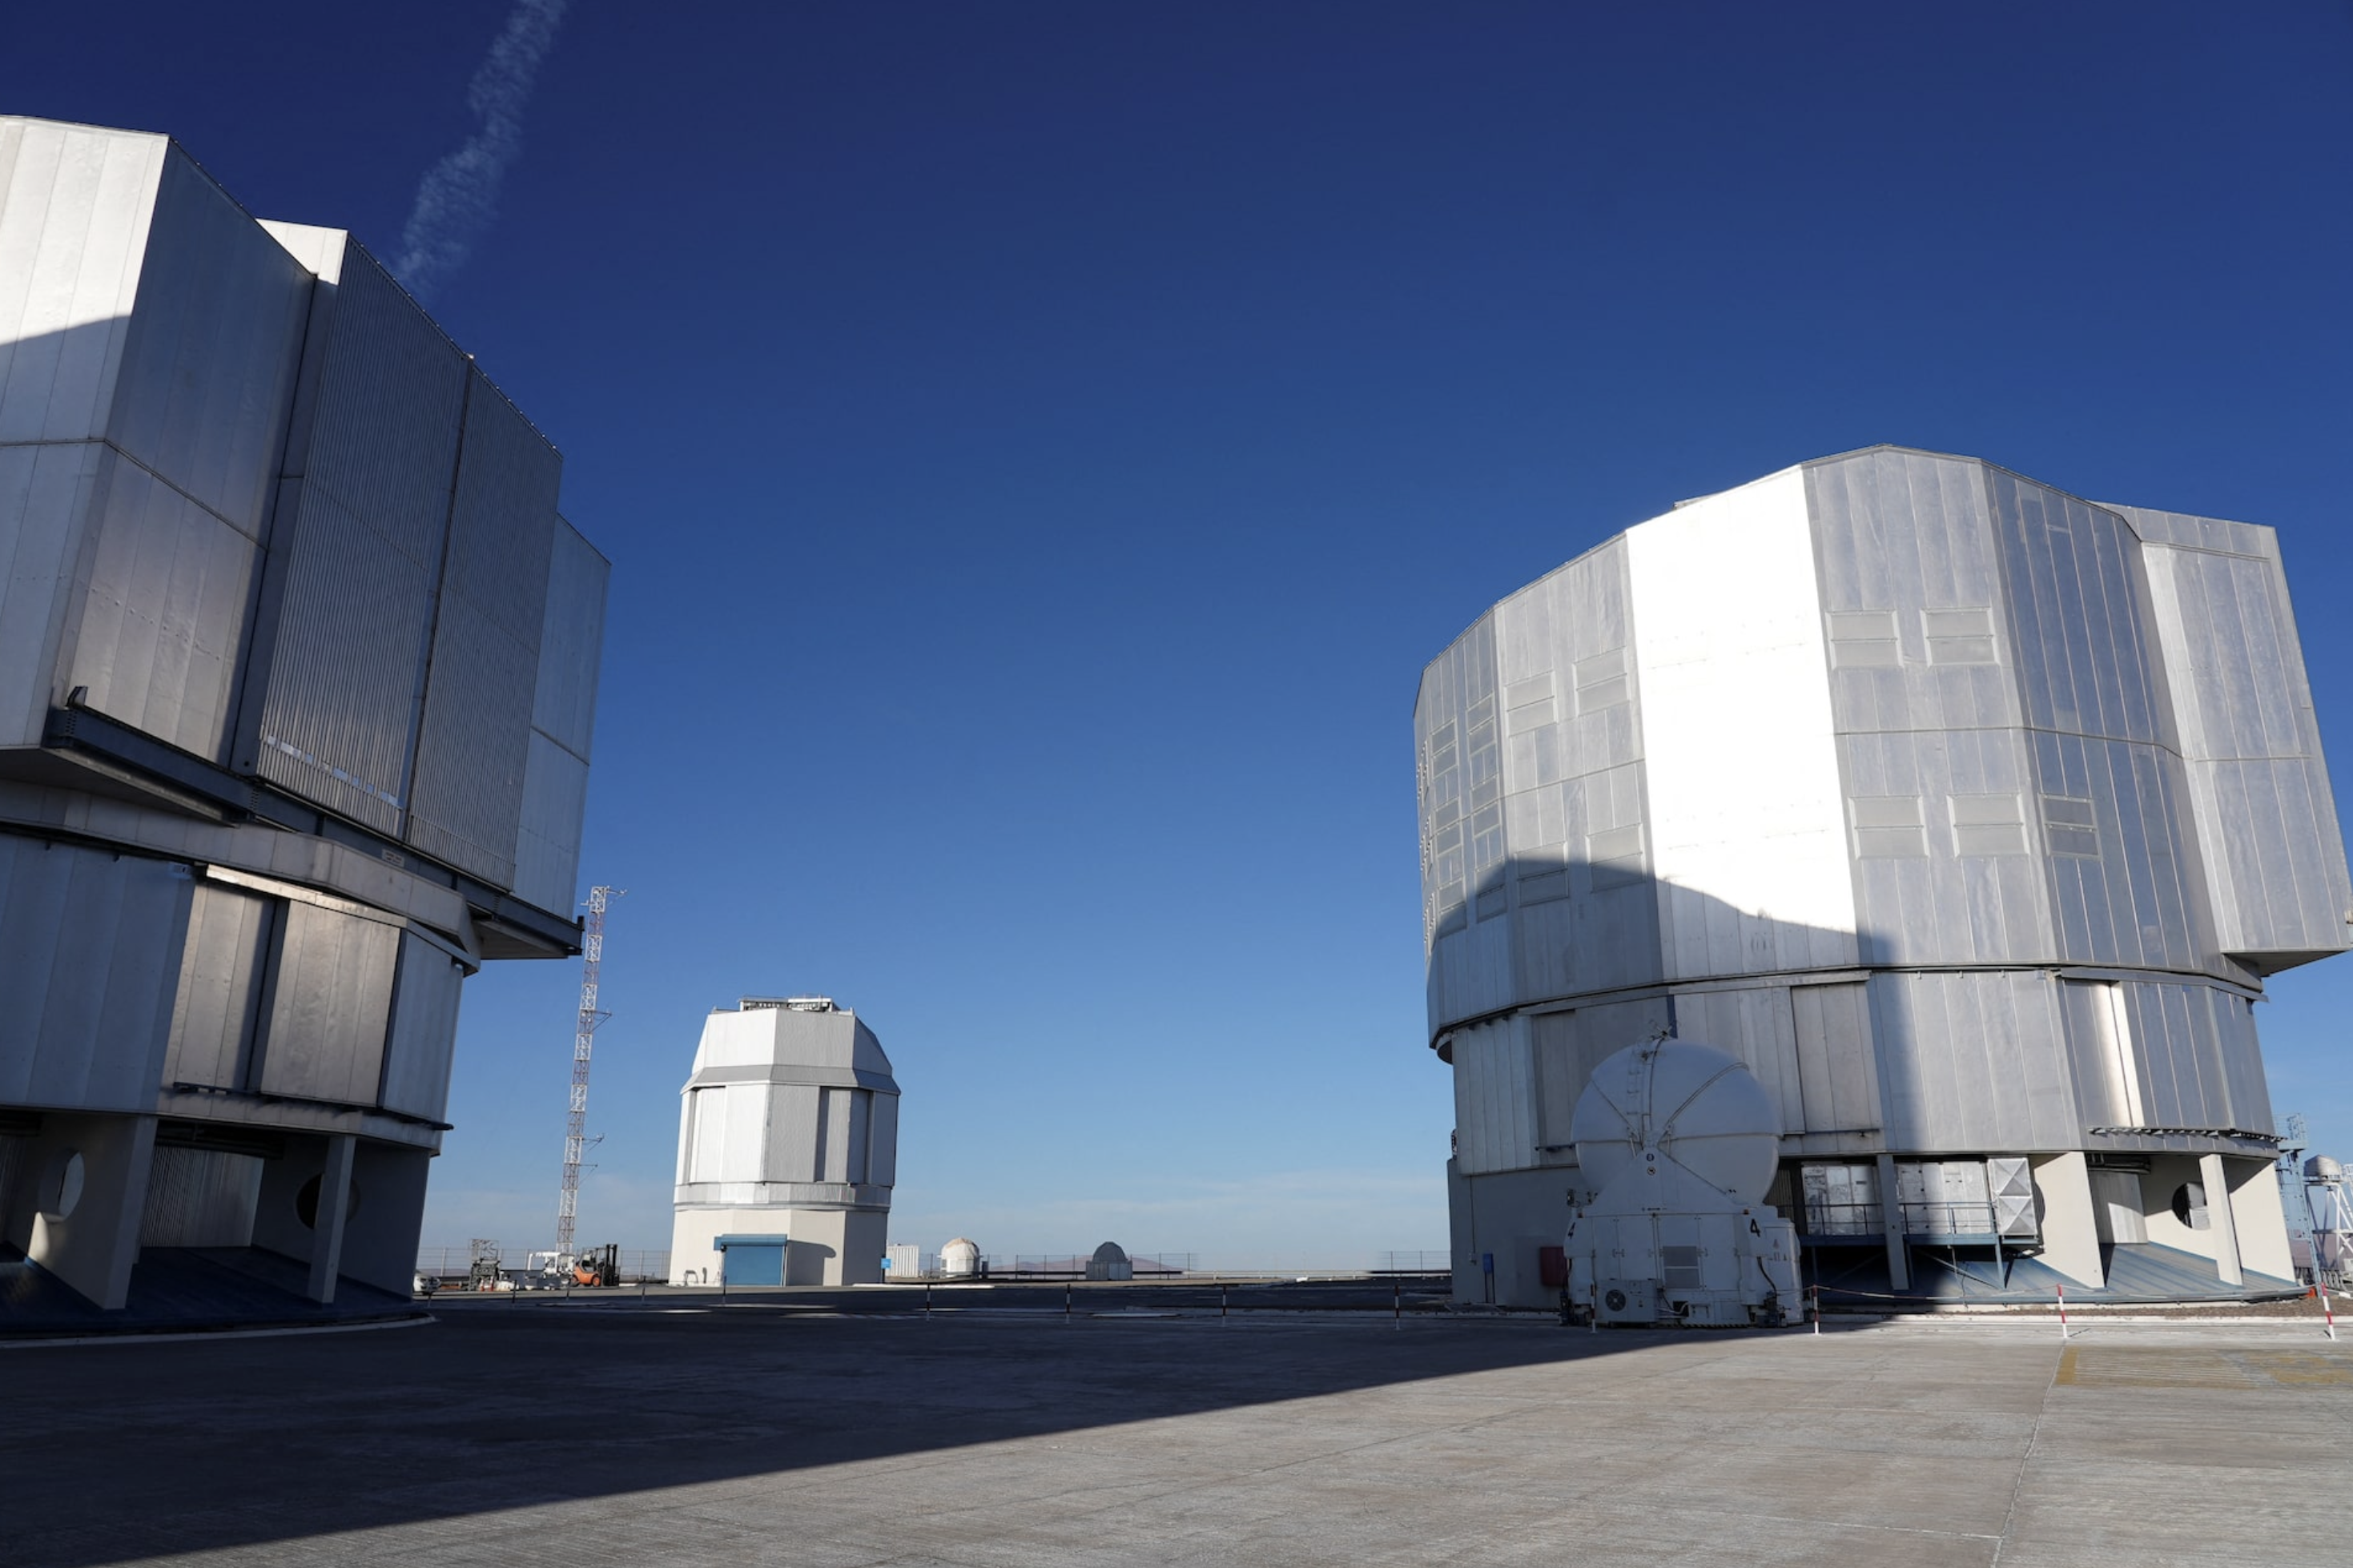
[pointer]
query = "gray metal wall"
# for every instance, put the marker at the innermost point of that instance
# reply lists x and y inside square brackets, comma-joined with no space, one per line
[2072,738]
[365,524]
[563,723]
[2266,818]
[89,950]
[481,682]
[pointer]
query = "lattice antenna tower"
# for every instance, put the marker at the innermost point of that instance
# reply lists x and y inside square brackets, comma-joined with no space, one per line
[583,1041]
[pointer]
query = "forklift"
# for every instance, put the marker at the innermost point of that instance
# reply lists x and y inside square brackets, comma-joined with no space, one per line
[601,1265]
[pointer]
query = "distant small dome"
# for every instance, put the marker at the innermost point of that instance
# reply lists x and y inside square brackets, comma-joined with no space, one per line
[960,1257]
[1698,1104]
[2321,1168]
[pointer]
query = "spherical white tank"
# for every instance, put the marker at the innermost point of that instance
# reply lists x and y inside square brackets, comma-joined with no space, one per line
[959,1259]
[1695,1103]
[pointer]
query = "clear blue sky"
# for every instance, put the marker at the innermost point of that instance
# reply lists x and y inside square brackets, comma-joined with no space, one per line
[1038,446]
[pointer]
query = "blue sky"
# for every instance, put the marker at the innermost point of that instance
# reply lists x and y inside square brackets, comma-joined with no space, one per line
[1038,446]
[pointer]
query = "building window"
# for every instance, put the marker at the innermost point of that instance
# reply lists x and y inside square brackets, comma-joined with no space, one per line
[2070,827]
[1865,639]
[1601,682]
[1888,827]
[1958,636]
[1988,824]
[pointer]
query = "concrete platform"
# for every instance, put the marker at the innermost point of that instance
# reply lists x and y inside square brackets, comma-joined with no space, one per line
[681,1431]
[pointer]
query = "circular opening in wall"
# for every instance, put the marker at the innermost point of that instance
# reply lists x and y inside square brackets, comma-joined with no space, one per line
[306,1203]
[2190,1206]
[61,1186]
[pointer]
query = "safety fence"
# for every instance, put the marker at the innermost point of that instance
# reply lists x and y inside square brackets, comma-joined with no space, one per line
[526,1266]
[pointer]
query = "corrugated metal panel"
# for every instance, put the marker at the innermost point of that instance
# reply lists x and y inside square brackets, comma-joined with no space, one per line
[222,970]
[90,946]
[2078,614]
[502,522]
[47,496]
[1746,826]
[1494,1096]
[1905,536]
[345,667]
[2267,818]
[747,1119]
[547,841]
[215,343]
[571,641]
[471,751]
[384,434]
[1754,1024]
[162,621]
[861,1135]
[2136,898]
[75,205]
[424,1030]
[1838,1069]
[200,1197]
[1952,904]
[379,458]
[835,1145]
[329,1007]
[792,1132]
[884,1169]
[709,1114]
[1970,1061]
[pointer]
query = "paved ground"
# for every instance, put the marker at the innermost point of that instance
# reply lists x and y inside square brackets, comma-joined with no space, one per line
[692,1434]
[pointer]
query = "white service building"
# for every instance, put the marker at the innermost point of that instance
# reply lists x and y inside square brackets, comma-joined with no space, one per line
[789,1129]
[1970,814]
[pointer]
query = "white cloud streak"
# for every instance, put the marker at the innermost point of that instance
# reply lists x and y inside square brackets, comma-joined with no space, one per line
[459,195]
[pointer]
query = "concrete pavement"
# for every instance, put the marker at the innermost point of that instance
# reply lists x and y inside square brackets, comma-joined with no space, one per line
[694,1434]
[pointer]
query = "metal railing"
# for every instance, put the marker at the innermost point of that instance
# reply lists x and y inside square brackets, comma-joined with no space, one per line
[451,1264]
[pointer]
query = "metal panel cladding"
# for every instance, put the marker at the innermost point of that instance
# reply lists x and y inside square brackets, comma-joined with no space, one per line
[346,665]
[481,683]
[564,714]
[329,1007]
[75,206]
[2266,816]
[214,346]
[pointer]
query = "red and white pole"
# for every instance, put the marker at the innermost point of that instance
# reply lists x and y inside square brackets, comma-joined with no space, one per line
[2063,1311]
[2328,1312]
[1818,1308]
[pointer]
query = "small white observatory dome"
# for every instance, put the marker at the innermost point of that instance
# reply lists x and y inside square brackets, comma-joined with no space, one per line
[959,1259]
[2322,1168]
[1695,1103]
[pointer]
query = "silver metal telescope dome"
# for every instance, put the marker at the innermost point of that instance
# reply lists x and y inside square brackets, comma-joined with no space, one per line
[1698,1104]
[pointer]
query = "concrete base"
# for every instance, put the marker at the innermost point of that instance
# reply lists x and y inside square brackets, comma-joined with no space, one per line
[1507,1217]
[829,1246]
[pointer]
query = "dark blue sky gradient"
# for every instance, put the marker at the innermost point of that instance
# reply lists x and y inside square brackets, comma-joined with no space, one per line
[1038,446]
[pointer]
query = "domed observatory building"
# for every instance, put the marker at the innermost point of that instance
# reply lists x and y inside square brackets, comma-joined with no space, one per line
[297,670]
[1970,816]
[787,1147]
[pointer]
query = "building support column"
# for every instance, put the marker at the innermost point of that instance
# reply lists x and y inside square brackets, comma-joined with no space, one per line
[2259,1219]
[88,1173]
[2217,1182]
[1891,1218]
[327,1224]
[2071,1229]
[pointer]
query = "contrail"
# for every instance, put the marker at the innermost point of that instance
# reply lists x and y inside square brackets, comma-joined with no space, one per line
[459,195]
